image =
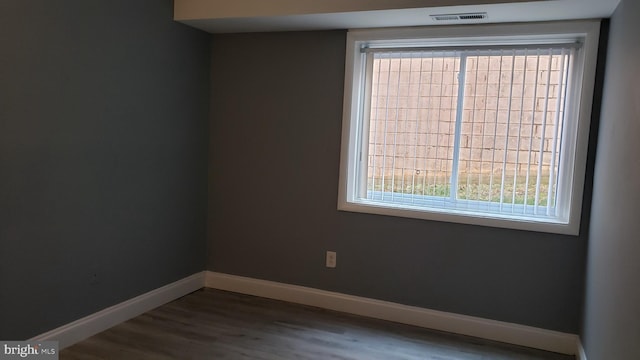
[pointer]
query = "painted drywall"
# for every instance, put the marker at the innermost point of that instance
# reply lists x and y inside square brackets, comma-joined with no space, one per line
[612,306]
[276,110]
[295,15]
[103,156]
[203,9]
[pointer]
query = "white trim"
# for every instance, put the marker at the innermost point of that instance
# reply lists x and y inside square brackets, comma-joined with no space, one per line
[572,163]
[460,324]
[87,326]
[582,355]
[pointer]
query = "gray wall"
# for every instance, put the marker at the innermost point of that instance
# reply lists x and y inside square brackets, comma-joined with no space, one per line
[103,156]
[275,148]
[612,306]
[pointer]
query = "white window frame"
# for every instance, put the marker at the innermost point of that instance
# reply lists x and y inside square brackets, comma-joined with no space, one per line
[575,134]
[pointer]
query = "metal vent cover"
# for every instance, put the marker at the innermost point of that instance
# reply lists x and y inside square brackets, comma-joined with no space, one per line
[460,17]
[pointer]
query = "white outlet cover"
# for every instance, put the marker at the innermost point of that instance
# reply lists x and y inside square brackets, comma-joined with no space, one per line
[331,259]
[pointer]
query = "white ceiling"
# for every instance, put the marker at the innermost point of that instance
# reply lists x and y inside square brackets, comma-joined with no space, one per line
[217,16]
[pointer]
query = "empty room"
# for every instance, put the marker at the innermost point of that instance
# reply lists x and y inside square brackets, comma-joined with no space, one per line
[338,179]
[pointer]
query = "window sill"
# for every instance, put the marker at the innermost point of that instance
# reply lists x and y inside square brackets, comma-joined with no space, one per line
[514,222]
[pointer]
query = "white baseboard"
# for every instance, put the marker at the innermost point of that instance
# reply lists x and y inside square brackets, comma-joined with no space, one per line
[81,329]
[460,324]
[581,354]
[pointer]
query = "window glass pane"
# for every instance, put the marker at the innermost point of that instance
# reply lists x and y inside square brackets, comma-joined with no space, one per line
[412,124]
[511,127]
[508,133]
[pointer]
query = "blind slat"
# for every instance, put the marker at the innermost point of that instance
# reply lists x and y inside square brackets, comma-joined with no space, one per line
[520,116]
[542,137]
[495,127]
[533,117]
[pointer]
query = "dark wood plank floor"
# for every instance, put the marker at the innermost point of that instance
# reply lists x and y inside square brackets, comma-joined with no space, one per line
[213,324]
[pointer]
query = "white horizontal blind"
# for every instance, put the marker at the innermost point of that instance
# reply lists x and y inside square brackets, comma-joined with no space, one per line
[469,130]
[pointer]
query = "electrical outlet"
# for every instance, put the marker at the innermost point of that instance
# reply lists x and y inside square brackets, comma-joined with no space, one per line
[331,259]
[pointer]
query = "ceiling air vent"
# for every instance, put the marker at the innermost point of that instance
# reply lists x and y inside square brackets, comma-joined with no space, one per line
[460,17]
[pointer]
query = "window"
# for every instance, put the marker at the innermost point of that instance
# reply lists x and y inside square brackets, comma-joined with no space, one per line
[484,125]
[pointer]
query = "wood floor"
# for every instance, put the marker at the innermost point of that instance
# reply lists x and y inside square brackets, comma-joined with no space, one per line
[213,324]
